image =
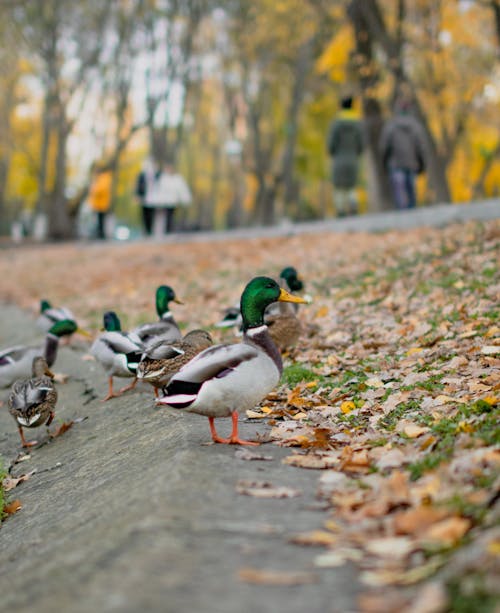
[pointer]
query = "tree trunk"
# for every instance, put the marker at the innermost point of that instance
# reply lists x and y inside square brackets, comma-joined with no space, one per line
[4,173]
[300,72]
[61,225]
[379,189]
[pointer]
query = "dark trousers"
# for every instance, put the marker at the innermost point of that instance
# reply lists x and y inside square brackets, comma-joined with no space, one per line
[169,220]
[403,188]
[148,218]
[148,215]
[101,221]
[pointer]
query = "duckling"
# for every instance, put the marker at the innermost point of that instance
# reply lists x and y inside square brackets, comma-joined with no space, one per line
[224,380]
[32,401]
[16,362]
[160,360]
[118,352]
[166,327]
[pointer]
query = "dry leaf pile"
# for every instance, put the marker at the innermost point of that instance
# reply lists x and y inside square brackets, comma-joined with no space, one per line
[392,394]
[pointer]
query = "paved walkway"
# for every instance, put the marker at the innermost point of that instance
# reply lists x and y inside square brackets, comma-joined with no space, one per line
[130,511]
[437,216]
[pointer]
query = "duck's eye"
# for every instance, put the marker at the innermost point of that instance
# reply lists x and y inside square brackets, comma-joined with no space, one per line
[270,285]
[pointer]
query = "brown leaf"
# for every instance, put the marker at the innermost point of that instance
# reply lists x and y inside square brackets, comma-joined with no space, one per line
[314,538]
[12,507]
[417,519]
[276,577]
[448,531]
[311,460]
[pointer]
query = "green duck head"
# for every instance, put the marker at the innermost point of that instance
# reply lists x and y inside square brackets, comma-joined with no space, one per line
[111,322]
[44,306]
[164,295]
[291,276]
[259,293]
[64,327]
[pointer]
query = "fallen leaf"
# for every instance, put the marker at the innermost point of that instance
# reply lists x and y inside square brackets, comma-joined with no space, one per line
[12,507]
[347,406]
[391,459]
[314,538]
[417,519]
[254,414]
[10,483]
[374,382]
[246,454]
[448,531]
[414,430]
[490,349]
[265,489]
[338,557]
[276,577]
[311,461]
[391,547]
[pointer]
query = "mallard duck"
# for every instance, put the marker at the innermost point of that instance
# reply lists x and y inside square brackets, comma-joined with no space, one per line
[118,352]
[166,327]
[49,315]
[16,362]
[160,360]
[224,380]
[289,279]
[32,401]
[285,329]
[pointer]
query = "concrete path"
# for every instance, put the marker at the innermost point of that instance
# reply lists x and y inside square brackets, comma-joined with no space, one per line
[438,215]
[129,511]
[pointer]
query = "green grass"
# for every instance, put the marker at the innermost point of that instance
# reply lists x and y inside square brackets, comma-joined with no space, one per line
[481,416]
[296,373]
[470,595]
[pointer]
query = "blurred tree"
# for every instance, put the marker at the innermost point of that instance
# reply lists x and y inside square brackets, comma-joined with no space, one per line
[65,41]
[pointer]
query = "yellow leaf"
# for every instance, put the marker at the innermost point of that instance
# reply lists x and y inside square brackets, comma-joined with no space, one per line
[493,331]
[491,400]
[299,415]
[312,384]
[266,409]
[347,406]
[322,312]
[414,350]
[494,548]
[331,525]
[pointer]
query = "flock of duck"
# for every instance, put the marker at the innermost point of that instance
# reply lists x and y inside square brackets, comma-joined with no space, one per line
[188,373]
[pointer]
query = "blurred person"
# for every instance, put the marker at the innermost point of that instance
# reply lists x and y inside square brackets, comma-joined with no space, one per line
[345,145]
[100,197]
[403,152]
[144,181]
[167,191]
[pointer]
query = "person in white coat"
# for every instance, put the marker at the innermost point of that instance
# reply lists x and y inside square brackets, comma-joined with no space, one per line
[164,194]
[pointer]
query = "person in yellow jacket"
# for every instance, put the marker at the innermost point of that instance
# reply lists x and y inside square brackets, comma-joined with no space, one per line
[100,198]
